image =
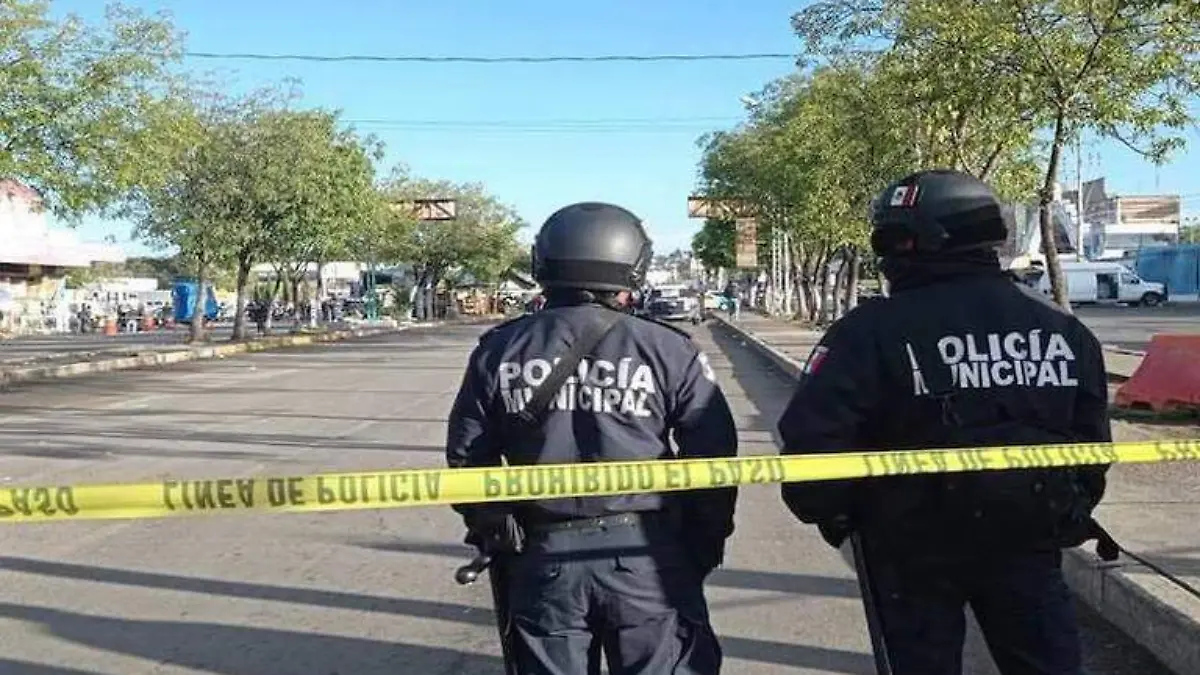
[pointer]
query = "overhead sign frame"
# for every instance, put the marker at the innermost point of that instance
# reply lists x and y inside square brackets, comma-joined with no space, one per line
[699,206]
[429,209]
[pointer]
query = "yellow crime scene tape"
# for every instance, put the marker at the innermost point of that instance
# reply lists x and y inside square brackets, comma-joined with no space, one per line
[432,487]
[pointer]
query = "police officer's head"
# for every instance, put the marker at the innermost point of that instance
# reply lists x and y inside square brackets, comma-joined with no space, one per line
[937,219]
[591,251]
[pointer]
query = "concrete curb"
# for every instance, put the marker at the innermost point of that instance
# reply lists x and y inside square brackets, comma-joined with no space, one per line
[1168,633]
[1121,350]
[163,358]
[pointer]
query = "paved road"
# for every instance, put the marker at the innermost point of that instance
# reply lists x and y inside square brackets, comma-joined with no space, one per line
[1127,327]
[358,592]
[40,347]
[45,347]
[1131,327]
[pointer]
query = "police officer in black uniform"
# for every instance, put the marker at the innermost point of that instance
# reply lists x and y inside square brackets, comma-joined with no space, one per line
[624,573]
[959,355]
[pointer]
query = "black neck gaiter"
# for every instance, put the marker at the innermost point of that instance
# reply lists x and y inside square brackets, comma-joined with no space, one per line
[914,271]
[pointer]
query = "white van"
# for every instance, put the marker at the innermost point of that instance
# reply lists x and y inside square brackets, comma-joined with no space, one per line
[1107,283]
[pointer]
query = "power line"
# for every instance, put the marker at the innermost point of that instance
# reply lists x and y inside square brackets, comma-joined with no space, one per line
[378,58]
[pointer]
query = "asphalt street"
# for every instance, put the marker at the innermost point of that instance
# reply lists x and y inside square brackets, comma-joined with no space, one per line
[367,592]
[1126,327]
[70,346]
[42,347]
[1132,327]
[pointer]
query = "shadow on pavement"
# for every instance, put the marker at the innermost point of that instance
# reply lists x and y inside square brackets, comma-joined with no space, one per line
[169,641]
[767,388]
[28,668]
[38,440]
[778,582]
[207,415]
[245,650]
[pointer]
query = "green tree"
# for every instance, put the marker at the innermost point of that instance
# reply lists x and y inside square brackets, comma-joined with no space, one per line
[262,183]
[713,244]
[1121,68]
[83,105]
[819,145]
[1190,233]
[482,239]
[308,186]
[187,214]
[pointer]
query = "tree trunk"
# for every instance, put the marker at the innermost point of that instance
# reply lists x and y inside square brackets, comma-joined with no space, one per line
[239,316]
[198,306]
[789,287]
[827,309]
[294,282]
[797,274]
[318,305]
[854,265]
[275,290]
[816,284]
[807,275]
[418,299]
[1046,221]
[840,285]
[431,296]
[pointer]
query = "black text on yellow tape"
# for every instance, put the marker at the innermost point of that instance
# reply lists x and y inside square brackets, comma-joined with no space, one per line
[430,487]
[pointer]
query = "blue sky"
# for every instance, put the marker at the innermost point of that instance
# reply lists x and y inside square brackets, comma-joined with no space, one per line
[504,124]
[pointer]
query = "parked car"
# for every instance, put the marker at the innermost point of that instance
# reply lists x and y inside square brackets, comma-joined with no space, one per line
[674,303]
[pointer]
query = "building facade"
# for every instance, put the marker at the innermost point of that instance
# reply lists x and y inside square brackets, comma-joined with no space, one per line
[34,260]
[1119,226]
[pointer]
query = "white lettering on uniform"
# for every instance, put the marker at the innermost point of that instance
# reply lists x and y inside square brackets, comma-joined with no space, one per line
[706,367]
[1014,359]
[598,386]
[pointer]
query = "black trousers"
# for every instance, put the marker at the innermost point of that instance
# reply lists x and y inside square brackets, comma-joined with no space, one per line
[1021,602]
[629,589]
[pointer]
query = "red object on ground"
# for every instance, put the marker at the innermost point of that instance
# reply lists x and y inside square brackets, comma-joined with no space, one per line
[1168,377]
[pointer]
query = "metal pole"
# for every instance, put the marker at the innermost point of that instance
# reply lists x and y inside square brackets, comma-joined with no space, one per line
[788,289]
[866,587]
[776,290]
[1079,196]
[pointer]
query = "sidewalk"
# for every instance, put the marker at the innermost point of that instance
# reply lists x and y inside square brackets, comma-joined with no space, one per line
[1151,509]
[54,357]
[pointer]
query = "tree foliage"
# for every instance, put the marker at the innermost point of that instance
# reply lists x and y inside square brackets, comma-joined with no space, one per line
[480,241]
[713,245]
[86,111]
[95,119]
[262,183]
[992,87]
[1123,69]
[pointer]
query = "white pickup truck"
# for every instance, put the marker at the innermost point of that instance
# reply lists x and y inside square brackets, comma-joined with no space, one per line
[673,302]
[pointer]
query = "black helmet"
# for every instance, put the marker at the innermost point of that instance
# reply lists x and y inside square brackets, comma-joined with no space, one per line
[939,211]
[591,246]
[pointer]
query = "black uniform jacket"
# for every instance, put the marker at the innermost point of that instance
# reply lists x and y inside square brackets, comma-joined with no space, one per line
[644,382]
[1020,371]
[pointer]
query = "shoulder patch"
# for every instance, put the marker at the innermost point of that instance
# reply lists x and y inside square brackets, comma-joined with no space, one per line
[502,325]
[664,324]
[815,358]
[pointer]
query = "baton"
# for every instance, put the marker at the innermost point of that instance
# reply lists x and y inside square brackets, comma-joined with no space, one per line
[469,573]
[883,664]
